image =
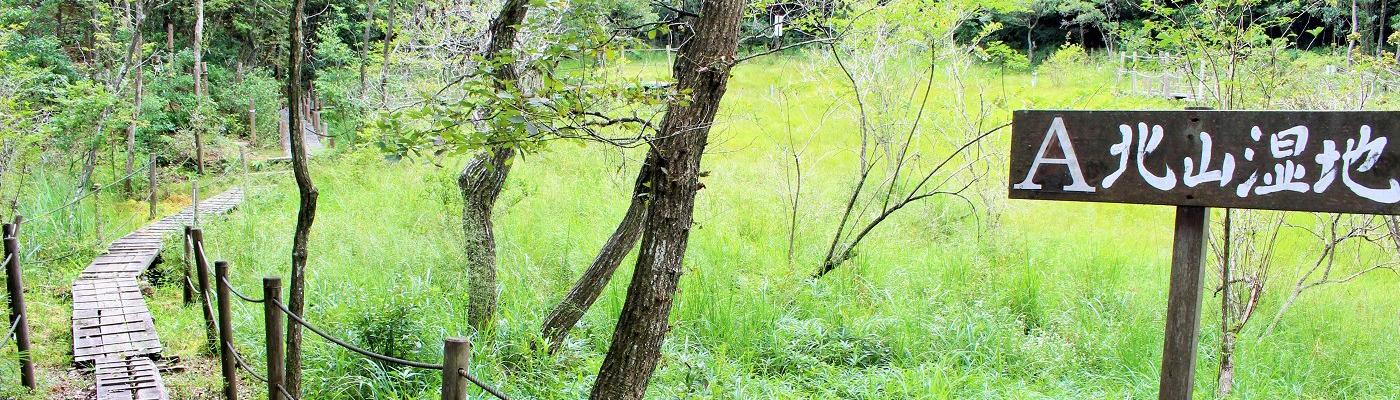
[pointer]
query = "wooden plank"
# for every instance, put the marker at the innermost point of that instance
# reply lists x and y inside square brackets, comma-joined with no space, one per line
[110,317]
[1336,161]
[129,378]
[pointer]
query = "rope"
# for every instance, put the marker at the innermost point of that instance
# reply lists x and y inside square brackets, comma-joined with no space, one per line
[193,288]
[351,347]
[243,364]
[235,292]
[285,394]
[62,257]
[13,326]
[361,351]
[481,384]
[85,195]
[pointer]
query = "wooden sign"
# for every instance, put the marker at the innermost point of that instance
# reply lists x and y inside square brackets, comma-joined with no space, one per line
[1195,159]
[1281,160]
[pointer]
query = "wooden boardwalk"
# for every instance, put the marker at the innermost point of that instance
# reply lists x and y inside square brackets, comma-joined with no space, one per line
[112,327]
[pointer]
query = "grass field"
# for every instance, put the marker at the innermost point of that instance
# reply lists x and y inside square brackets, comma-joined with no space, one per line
[1042,300]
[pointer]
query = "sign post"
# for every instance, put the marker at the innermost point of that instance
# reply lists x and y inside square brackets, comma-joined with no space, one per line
[1196,159]
[1184,303]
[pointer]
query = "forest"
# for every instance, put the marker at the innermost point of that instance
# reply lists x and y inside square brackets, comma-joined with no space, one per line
[627,199]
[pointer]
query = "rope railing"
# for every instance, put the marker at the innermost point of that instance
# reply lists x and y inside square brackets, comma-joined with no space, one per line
[481,384]
[351,347]
[11,333]
[243,365]
[272,305]
[88,193]
[238,294]
[392,360]
[193,286]
[19,319]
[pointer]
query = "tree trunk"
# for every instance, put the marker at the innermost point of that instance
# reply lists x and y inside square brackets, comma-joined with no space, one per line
[198,48]
[135,100]
[90,157]
[1380,28]
[169,42]
[481,181]
[58,25]
[702,69]
[584,292]
[1367,25]
[1225,377]
[306,210]
[1030,40]
[1351,41]
[364,48]
[388,53]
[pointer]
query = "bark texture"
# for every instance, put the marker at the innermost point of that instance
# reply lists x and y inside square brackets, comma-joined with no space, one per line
[591,284]
[388,53]
[701,69]
[135,102]
[199,89]
[306,210]
[364,47]
[481,181]
[169,42]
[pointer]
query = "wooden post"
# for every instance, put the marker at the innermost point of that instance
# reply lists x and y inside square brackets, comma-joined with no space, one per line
[194,202]
[456,354]
[202,268]
[96,212]
[243,159]
[189,281]
[14,283]
[283,132]
[252,124]
[324,127]
[1184,303]
[272,324]
[226,359]
[1133,76]
[152,176]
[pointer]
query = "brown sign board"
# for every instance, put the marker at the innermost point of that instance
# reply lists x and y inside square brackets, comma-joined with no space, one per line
[1326,161]
[1271,160]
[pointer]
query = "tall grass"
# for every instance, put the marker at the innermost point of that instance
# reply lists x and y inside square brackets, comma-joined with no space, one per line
[1059,300]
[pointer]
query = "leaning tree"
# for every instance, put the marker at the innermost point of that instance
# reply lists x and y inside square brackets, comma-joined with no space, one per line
[701,72]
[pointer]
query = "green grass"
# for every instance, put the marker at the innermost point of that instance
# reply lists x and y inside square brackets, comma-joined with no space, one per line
[1057,300]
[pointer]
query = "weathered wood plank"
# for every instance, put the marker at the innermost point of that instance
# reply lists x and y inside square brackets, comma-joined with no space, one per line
[1334,161]
[129,378]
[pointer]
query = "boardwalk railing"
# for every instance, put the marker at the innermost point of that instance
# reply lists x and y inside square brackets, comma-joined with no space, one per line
[19,321]
[1180,77]
[456,351]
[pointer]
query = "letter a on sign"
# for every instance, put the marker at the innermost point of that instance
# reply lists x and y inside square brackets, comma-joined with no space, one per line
[1059,135]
